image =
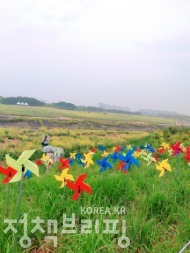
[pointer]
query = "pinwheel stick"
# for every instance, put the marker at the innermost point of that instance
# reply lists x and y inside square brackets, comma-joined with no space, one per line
[18,205]
[178,161]
[8,195]
[79,211]
[126,185]
[185,247]
[102,181]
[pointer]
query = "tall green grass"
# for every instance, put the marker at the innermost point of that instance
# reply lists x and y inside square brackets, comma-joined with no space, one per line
[157,209]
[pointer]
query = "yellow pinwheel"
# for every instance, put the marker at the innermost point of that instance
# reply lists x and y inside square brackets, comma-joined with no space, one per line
[72,155]
[88,155]
[21,165]
[47,160]
[88,159]
[64,177]
[170,151]
[136,154]
[163,166]
[105,154]
[165,145]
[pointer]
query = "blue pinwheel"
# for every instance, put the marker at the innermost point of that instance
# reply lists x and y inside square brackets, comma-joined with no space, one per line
[104,164]
[128,159]
[78,158]
[101,148]
[28,174]
[71,161]
[148,147]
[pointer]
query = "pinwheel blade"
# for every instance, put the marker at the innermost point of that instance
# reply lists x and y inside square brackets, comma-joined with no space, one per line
[12,163]
[25,156]
[32,167]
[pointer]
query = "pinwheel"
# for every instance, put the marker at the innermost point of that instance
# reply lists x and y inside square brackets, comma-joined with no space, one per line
[136,154]
[64,177]
[121,166]
[64,163]
[163,167]
[143,153]
[8,172]
[128,159]
[47,161]
[149,159]
[71,161]
[170,151]
[88,155]
[73,155]
[39,162]
[161,150]
[21,165]
[28,174]
[176,148]
[187,155]
[156,158]
[101,148]
[105,154]
[148,147]
[78,158]
[87,161]
[104,164]
[79,187]
[129,147]
[165,145]
[93,150]
[117,149]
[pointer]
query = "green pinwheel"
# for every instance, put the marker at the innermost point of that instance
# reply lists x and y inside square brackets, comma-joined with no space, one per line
[22,165]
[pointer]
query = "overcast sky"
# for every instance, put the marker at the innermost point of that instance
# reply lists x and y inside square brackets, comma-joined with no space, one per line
[132,53]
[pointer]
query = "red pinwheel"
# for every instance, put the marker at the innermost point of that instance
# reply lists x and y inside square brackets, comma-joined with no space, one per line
[79,186]
[64,163]
[187,155]
[93,150]
[117,149]
[177,148]
[121,166]
[161,150]
[39,162]
[9,173]
[155,157]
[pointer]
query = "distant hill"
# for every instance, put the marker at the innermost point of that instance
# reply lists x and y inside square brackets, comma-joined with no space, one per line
[64,105]
[113,107]
[150,112]
[15,100]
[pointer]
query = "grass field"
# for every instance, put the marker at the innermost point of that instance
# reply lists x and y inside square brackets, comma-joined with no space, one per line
[47,112]
[157,209]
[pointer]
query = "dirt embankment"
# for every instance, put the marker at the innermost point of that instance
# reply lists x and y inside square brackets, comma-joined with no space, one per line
[66,123]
